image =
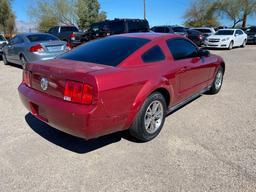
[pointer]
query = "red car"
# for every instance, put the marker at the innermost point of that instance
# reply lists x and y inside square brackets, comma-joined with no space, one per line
[129,81]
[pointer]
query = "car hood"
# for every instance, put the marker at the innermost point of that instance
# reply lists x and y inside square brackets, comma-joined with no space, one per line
[220,36]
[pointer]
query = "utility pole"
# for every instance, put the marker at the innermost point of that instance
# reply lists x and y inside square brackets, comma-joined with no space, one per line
[145,15]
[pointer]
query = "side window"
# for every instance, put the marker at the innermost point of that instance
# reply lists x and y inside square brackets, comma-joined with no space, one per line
[240,32]
[237,32]
[117,27]
[153,55]
[182,49]
[14,40]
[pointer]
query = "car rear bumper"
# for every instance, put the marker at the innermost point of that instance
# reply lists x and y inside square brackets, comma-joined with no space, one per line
[251,40]
[42,56]
[85,121]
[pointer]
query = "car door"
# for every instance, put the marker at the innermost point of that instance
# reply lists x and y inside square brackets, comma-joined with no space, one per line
[18,48]
[193,71]
[238,38]
[9,53]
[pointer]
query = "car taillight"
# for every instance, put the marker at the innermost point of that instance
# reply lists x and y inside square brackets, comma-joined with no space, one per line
[78,92]
[68,46]
[26,79]
[36,48]
[73,36]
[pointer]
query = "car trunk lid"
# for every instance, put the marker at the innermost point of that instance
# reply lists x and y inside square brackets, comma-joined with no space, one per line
[54,46]
[57,72]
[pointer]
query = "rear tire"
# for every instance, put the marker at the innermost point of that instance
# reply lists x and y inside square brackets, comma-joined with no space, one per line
[244,44]
[217,83]
[23,62]
[231,45]
[150,119]
[5,59]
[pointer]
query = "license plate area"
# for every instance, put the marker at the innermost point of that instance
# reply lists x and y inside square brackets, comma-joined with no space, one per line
[55,48]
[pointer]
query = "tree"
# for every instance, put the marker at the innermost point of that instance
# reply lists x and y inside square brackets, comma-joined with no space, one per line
[7,18]
[237,10]
[201,13]
[53,12]
[88,13]
[248,8]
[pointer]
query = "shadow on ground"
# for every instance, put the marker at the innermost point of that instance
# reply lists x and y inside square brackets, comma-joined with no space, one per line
[72,143]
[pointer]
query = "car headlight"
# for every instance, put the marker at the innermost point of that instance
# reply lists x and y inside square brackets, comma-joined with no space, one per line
[225,39]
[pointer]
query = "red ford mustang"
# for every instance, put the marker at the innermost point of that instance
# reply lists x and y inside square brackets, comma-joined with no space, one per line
[129,81]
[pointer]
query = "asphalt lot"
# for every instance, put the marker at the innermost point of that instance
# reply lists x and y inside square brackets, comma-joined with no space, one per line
[208,145]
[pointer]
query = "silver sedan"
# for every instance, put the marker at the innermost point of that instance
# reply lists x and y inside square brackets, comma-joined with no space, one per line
[29,47]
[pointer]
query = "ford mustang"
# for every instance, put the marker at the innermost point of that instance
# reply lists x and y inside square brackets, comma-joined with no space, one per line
[130,81]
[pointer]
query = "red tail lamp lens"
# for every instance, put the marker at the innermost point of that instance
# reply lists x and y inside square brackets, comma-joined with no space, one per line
[78,92]
[36,48]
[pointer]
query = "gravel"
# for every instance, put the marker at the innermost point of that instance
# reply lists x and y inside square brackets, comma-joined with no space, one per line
[208,145]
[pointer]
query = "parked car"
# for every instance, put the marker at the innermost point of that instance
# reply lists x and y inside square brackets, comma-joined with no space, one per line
[70,34]
[129,81]
[207,31]
[29,47]
[227,38]
[162,29]
[196,36]
[3,42]
[170,29]
[251,32]
[116,26]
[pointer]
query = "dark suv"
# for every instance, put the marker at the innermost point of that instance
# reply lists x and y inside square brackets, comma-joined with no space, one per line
[116,26]
[251,32]
[69,34]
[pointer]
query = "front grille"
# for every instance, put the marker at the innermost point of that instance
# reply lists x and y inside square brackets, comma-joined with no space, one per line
[214,40]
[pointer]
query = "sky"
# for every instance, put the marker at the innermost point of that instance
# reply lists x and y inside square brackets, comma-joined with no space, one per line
[159,12]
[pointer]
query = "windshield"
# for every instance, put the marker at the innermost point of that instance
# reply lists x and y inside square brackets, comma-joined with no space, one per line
[225,32]
[41,37]
[69,29]
[107,51]
[2,38]
[252,30]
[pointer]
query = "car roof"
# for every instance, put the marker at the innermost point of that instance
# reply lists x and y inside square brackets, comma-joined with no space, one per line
[149,35]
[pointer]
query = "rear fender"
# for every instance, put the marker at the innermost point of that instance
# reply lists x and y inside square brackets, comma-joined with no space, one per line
[144,93]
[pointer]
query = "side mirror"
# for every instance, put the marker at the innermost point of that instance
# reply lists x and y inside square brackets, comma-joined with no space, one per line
[203,53]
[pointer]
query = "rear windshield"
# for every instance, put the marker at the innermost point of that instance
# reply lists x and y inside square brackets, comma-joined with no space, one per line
[2,38]
[108,51]
[225,32]
[252,30]
[69,29]
[41,37]
[204,30]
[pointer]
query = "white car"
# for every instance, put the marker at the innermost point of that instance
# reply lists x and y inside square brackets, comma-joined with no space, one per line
[227,38]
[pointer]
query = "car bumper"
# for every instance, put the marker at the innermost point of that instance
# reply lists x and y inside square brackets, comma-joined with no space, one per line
[42,56]
[251,40]
[223,45]
[85,121]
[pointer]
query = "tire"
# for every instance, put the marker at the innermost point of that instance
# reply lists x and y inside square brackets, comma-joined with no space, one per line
[231,45]
[146,125]
[23,62]
[217,83]
[244,44]
[5,59]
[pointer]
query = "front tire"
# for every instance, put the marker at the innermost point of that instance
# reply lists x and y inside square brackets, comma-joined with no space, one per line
[218,81]
[231,45]
[150,119]
[5,59]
